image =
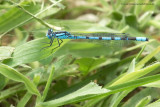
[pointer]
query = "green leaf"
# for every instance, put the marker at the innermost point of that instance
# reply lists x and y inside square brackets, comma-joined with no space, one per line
[35,71]
[34,16]
[63,66]
[16,17]
[83,49]
[89,64]
[133,84]
[69,70]
[24,100]
[11,91]
[143,102]
[75,95]
[21,36]
[28,95]
[154,104]
[137,8]
[3,82]
[16,76]
[153,92]
[60,86]
[116,98]
[5,52]
[122,79]
[133,48]
[136,74]
[143,20]
[155,23]
[87,91]
[132,66]
[157,3]
[32,51]
[141,63]
[139,54]
[149,47]
[154,84]
[80,26]
[63,61]
[117,16]
[131,20]
[49,81]
[151,6]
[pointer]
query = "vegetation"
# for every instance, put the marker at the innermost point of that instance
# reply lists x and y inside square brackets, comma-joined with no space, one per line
[79,73]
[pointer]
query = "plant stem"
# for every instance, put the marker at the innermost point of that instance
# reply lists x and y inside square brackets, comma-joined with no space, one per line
[48,84]
[38,19]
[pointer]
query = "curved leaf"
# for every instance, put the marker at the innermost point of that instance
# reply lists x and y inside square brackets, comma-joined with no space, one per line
[5,52]
[144,101]
[75,95]
[16,76]
[32,51]
[16,17]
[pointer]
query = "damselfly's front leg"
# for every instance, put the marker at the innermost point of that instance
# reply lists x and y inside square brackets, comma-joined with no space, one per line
[51,41]
[59,44]
[61,41]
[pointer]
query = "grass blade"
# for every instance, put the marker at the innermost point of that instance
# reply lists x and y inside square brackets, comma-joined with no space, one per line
[45,92]
[38,19]
[16,76]
[28,95]
[15,17]
[144,102]
[75,95]
[140,64]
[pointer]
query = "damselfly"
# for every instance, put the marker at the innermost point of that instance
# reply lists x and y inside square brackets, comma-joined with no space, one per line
[59,35]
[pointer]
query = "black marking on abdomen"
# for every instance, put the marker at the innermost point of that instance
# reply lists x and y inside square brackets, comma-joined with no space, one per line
[87,37]
[100,38]
[112,38]
[132,38]
[75,37]
[123,38]
[147,39]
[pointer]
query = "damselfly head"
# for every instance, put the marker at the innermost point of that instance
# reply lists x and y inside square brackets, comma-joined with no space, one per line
[49,33]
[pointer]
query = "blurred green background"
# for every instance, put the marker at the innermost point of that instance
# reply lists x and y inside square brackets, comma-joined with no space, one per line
[74,74]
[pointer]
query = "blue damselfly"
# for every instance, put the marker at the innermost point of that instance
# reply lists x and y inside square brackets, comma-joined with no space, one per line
[60,35]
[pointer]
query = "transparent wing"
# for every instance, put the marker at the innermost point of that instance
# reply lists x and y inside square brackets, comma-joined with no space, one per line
[110,43]
[99,34]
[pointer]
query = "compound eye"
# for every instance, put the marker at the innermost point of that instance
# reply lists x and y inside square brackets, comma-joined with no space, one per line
[49,32]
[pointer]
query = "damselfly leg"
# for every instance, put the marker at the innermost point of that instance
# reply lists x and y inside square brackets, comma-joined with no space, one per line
[51,41]
[59,44]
